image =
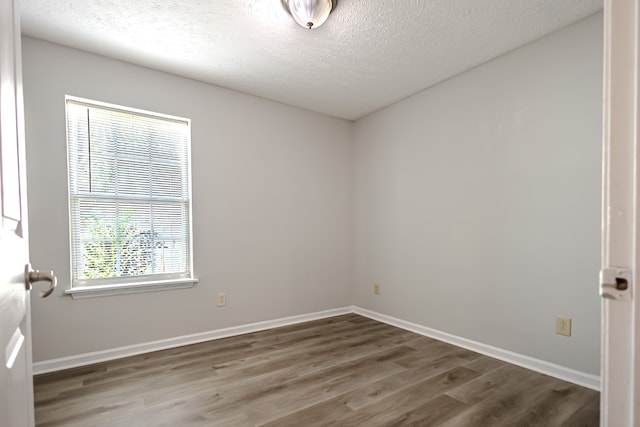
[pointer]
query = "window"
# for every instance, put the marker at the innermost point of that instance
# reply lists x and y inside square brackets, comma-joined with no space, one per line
[129,199]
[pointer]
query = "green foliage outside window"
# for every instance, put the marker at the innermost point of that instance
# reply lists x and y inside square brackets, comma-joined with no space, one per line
[120,249]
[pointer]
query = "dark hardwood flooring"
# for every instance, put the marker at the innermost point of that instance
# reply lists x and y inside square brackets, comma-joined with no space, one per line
[342,371]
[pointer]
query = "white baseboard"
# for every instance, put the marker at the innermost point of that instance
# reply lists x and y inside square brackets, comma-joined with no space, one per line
[561,372]
[84,359]
[581,378]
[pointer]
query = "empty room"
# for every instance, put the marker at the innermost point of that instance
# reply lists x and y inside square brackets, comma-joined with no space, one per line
[367,214]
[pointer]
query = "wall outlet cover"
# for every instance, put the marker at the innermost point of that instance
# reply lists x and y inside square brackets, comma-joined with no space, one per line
[563,326]
[222,299]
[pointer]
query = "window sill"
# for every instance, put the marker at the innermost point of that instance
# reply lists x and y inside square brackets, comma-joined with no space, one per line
[80,292]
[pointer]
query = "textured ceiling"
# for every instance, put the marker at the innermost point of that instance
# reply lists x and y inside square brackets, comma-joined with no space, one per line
[369,53]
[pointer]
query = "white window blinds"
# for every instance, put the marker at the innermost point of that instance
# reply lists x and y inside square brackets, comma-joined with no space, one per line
[129,194]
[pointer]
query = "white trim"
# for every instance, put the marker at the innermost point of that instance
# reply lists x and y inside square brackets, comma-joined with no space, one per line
[124,109]
[116,353]
[557,371]
[581,378]
[620,340]
[79,292]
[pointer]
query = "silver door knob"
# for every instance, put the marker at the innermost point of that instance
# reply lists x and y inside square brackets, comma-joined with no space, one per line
[32,276]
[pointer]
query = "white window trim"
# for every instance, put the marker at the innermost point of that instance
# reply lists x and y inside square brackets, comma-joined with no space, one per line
[80,292]
[140,286]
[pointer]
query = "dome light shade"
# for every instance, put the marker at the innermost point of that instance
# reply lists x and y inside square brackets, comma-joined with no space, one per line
[309,13]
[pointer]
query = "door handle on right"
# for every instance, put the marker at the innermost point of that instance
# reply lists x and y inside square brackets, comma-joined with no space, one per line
[31,276]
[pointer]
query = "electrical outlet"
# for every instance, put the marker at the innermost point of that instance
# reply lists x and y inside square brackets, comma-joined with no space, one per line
[376,289]
[563,326]
[222,299]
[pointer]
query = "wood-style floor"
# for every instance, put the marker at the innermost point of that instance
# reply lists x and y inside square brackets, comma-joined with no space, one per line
[342,371]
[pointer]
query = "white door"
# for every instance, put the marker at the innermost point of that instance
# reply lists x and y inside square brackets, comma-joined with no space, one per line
[620,398]
[16,386]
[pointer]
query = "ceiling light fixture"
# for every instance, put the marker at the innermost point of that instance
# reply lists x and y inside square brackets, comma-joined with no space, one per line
[309,13]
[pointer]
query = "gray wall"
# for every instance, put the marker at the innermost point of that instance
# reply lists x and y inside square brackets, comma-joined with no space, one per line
[477,202]
[271,209]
